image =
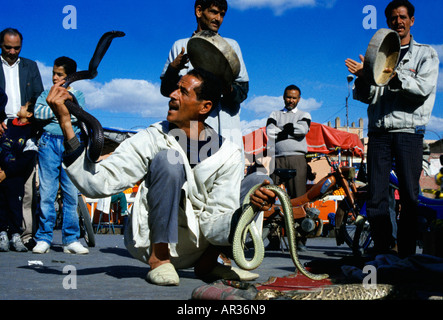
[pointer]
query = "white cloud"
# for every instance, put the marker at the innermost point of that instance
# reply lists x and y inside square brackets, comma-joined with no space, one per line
[435,126]
[119,95]
[264,105]
[439,49]
[46,73]
[249,126]
[125,95]
[279,6]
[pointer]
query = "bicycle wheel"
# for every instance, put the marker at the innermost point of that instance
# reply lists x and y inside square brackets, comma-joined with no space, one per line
[86,230]
[355,229]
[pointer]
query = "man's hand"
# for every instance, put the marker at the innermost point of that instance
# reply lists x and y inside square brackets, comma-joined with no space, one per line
[263,198]
[56,100]
[289,128]
[2,175]
[355,67]
[181,61]
[3,127]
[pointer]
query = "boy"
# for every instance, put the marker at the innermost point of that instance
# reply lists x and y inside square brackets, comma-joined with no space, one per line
[18,153]
[51,173]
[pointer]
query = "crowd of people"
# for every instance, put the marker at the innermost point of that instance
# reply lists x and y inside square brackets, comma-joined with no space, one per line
[189,221]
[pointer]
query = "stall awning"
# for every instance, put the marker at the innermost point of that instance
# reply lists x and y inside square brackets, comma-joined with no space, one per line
[320,139]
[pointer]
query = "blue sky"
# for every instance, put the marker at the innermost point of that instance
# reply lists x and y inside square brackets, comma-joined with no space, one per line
[302,42]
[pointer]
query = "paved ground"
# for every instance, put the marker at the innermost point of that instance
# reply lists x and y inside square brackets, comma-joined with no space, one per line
[108,272]
[111,275]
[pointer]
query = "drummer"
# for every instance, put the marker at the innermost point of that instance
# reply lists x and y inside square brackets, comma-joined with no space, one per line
[398,114]
[225,119]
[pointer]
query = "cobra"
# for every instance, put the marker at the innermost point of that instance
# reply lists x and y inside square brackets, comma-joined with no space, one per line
[90,126]
[247,225]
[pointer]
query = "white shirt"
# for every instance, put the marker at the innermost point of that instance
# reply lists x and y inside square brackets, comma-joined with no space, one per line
[285,110]
[12,88]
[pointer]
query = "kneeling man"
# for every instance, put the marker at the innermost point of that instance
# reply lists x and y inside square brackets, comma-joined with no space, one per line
[191,183]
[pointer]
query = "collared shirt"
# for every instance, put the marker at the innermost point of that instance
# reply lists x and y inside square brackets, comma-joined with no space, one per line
[285,110]
[12,88]
[406,103]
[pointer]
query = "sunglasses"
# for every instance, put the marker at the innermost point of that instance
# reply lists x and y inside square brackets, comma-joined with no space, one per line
[10,47]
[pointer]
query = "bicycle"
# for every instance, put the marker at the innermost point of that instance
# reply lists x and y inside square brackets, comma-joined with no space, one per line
[84,219]
[351,227]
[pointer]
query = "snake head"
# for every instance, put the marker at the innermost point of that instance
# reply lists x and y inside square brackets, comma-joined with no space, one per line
[100,51]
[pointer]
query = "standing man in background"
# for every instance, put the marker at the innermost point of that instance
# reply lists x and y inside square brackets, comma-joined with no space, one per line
[288,129]
[225,117]
[21,80]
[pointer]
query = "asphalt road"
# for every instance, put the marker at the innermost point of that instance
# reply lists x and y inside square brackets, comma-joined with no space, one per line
[108,272]
[109,282]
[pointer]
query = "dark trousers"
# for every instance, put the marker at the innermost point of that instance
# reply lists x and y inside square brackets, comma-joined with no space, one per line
[405,150]
[11,204]
[296,186]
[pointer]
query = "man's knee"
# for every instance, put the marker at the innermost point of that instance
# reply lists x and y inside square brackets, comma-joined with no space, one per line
[255,178]
[250,181]
[168,164]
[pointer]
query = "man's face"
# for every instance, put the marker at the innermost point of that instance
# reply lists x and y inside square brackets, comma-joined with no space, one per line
[11,47]
[292,98]
[58,74]
[210,18]
[184,106]
[401,22]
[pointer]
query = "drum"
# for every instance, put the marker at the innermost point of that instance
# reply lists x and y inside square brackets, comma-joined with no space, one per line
[209,51]
[383,52]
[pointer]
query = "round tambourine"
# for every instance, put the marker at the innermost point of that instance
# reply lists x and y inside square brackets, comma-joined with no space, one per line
[209,51]
[383,53]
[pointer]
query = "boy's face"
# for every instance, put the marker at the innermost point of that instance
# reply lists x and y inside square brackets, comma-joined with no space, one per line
[23,113]
[58,74]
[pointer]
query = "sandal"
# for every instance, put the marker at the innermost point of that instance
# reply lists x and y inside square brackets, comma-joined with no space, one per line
[163,275]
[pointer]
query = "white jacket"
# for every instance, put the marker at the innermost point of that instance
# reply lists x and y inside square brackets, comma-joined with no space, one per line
[212,192]
[405,109]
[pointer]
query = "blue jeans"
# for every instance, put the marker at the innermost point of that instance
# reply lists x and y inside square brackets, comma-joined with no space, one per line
[51,176]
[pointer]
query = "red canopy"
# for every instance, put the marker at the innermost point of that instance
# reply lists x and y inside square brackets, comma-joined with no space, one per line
[320,138]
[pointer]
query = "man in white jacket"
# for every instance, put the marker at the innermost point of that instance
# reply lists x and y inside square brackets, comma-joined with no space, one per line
[191,183]
[397,117]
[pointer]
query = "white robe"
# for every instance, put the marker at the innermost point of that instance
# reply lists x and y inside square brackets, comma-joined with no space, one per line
[212,190]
